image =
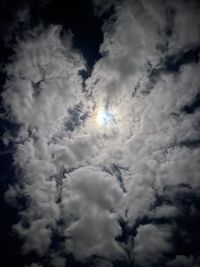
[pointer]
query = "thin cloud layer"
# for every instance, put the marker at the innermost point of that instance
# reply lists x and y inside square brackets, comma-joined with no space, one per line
[108,194]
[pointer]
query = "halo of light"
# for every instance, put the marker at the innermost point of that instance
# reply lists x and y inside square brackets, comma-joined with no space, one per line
[105,117]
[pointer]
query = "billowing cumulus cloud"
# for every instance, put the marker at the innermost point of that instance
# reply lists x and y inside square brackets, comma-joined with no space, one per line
[103,165]
[91,197]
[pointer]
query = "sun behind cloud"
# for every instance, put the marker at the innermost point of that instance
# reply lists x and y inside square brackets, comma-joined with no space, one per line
[105,117]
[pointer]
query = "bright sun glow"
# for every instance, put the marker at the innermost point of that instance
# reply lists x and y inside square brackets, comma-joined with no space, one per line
[105,117]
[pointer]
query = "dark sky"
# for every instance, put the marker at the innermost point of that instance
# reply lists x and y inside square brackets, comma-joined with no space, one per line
[100,143]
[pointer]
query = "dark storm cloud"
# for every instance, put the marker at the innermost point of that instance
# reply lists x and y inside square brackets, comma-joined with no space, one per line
[111,194]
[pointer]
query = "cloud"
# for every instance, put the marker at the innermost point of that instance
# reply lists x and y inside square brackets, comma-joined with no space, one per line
[150,244]
[164,211]
[106,193]
[58,261]
[45,81]
[38,96]
[182,260]
[90,197]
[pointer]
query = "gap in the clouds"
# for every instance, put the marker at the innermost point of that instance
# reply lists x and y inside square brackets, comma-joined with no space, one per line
[193,106]
[174,62]
[170,17]
[116,171]
[192,144]
[79,18]
[8,9]
[170,63]
[126,231]
[74,15]
[10,241]
[187,234]
[76,117]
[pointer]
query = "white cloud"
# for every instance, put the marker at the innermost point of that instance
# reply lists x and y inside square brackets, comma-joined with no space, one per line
[45,81]
[69,177]
[90,198]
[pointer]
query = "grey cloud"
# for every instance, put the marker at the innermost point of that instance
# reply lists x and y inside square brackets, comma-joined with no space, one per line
[140,200]
[182,260]
[58,261]
[90,196]
[150,244]
[164,211]
[38,237]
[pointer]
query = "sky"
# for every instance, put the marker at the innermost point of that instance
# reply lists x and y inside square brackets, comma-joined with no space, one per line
[100,133]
